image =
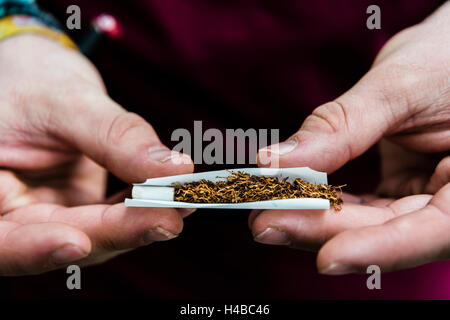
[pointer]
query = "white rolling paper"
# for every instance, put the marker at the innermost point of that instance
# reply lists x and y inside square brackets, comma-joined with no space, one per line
[158,192]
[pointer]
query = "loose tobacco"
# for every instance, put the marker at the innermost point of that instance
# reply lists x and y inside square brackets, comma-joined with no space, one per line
[243,187]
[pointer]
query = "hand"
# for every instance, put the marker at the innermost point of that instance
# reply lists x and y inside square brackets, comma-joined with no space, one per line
[403,100]
[58,130]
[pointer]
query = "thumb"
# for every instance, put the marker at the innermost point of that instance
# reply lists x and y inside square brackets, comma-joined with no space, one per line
[341,130]
[121,141]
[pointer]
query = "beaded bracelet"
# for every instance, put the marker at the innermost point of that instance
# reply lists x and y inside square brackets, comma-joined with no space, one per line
[24,16]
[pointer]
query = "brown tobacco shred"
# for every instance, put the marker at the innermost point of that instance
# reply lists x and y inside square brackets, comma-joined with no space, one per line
[243,187]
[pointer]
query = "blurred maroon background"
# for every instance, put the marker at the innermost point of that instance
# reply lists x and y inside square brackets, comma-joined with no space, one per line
[235,64]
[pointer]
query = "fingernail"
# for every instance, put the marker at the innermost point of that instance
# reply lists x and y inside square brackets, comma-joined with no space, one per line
[337,269]
[281,148]
[66,254]
[158,234]
[184,212]
[273,236]
[162,154]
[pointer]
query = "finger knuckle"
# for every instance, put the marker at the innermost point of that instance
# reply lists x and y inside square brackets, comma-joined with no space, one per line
[122,125]
[330,116]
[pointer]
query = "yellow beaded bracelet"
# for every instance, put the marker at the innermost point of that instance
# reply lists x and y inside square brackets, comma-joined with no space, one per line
[16,24]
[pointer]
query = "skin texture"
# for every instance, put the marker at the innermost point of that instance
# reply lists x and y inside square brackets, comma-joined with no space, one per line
[403,102]
[59,133]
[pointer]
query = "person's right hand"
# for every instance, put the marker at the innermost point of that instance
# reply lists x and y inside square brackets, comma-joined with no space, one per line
[404,101]
[58,130]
